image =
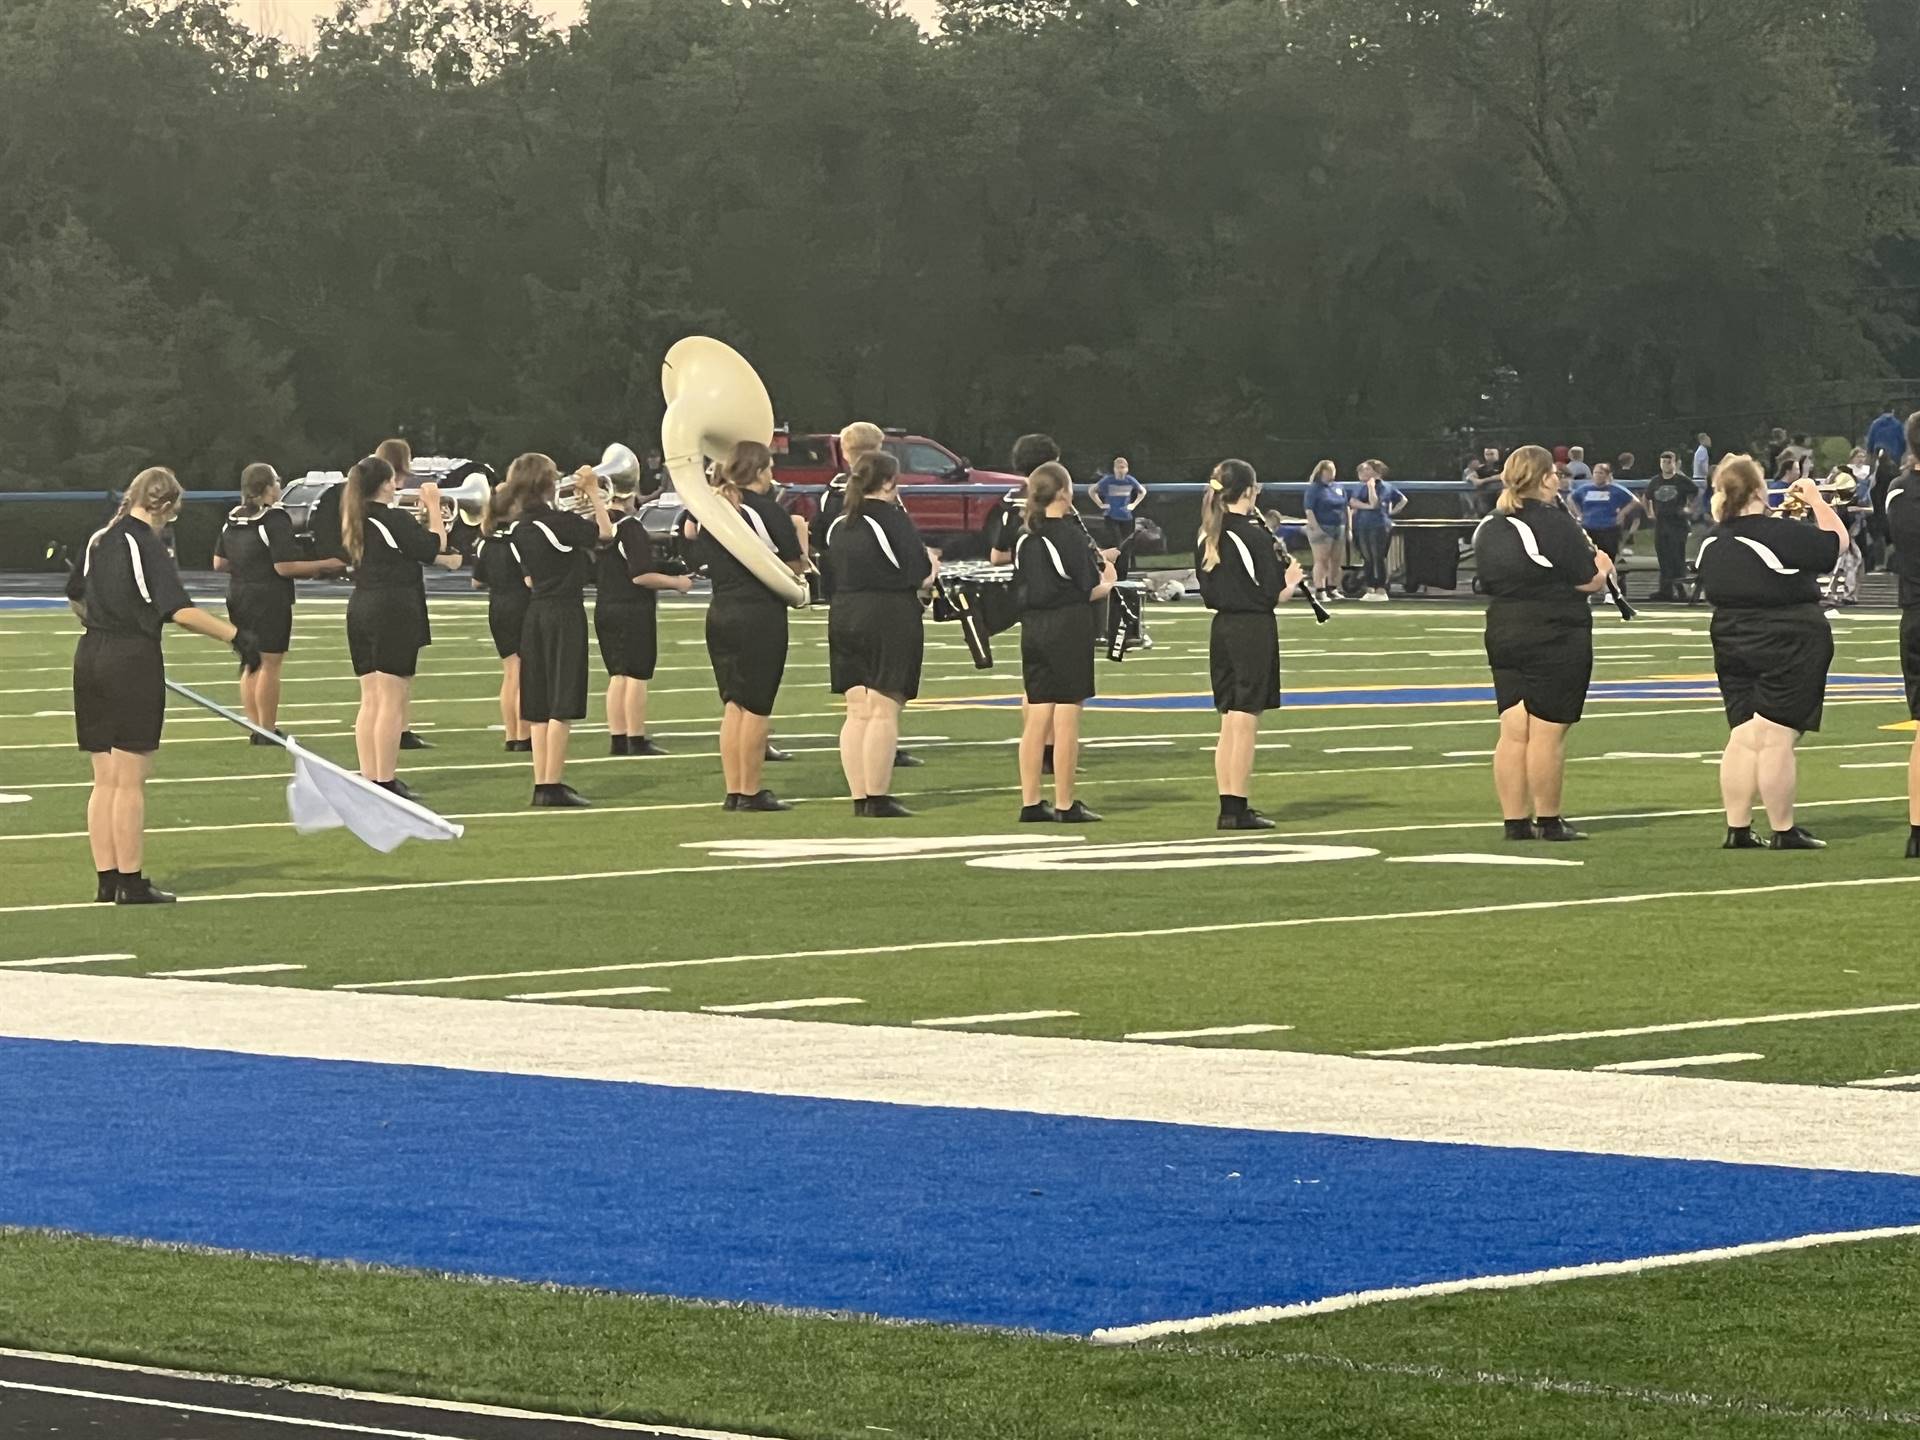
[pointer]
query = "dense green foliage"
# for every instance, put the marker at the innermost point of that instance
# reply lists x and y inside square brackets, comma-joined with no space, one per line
[1181,227]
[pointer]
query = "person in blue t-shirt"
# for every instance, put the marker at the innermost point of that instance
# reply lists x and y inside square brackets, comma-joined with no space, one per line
[1887,436]
[1326,507]
[1604,508]
[1118,494]
[1374,503]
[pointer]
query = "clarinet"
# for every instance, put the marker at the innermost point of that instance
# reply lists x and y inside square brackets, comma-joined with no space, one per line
[1321,615]
[1118,626]
[1614,592]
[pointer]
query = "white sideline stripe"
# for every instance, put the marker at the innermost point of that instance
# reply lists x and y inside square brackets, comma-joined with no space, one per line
[371,1397]
[1683,1062]
[188,1407]
[222,970]
[63,960]
[1885,1082]
[1263,1314]
[590,994]
[754,1007]
[1006,1018]
[1204,1034]
[1677,1027]
[1222,1086]
[1365,749]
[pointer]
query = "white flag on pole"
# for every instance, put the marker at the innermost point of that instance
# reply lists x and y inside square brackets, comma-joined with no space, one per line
[324,797]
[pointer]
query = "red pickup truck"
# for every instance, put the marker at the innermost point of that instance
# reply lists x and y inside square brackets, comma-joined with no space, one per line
[816,459]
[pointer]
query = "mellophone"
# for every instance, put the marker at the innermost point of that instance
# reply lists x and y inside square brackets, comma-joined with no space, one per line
[983,598]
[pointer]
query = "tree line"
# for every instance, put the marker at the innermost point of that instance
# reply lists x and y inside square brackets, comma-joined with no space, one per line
[1172,228]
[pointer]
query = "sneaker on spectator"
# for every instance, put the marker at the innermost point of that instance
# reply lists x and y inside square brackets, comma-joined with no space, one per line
[1375,597]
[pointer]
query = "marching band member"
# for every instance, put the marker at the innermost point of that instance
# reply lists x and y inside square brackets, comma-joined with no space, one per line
[399,454]
[259,553]
[1004,528]
[554,550]
[1534,560]
[387,613]
[1771,643]
[747,623]
[1062,575]
[1903,528]
[498,573]
[1241,581]
[627,586]
[875,638]
[125,589]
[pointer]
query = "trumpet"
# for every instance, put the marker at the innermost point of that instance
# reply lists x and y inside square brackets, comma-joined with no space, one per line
[619,471]
[1838,489]
[464,501]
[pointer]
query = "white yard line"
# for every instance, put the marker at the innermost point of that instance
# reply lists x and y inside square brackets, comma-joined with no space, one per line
[222,970]
[1207,1033]
[1453,1047]
[755,1007]
[591,994]
[1886,1082]
[62,960]
[1682,1062]
[1007,1018]
[1264,1314]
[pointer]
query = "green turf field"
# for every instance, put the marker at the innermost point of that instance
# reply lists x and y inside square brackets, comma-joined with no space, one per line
[1315,938]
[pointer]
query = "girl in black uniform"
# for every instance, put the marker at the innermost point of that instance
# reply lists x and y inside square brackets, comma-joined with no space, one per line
[258,550]
[1062,575]
[1771,642]
[1534,560]
[399,454]
[747,623]
[1902,508]
[875,638]
[386,616]
[627,584]
[554,549]
[498,573]
[125,589]
[1241,580]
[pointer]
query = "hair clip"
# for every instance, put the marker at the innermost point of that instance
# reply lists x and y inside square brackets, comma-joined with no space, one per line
[1213,482]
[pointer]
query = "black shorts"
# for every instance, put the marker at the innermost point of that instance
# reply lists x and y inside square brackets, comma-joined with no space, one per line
[1773,663]
[119,693]
[506,618]
[386,631]
[1056,655]
[1607,542]
[266,611]
[553,661]
[876,640]
[1542,658]
[747,641]
[1244,653]
[1910,657]
[629,637]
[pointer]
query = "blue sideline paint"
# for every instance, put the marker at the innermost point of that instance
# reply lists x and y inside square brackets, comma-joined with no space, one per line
[1051,1223]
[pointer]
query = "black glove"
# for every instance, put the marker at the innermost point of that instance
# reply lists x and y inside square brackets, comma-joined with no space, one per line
[247,646]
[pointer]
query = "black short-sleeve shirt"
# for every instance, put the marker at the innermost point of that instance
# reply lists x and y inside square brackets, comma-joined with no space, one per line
[253,544]
[555,551]
[1538,553]
[1249,577]
[1004,523]
[494,565]
[877,548]
[732,580]
[1763,562]
[622,561]
[127,581]
[393,547]
[1056,564]
[1903,528]
[1672,495]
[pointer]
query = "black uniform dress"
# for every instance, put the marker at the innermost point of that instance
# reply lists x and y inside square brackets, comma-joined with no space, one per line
[1771,642]
[1539,627]
[259,598]
[507,597]
[554,549]
[130,587]
[747,623]
[1242,591]
[1903,529]
[1058,572]
[833,505]
[626,615]
[387,614]
[875,636]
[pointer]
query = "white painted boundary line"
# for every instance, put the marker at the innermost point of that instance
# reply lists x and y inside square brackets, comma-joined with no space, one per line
[187,1407]
[330,1392]
[754,1007]
[1682,1062]
[221,970]
[591,994]
[63,960]
[1008,1018]
[1263,1314]
[1211,1030]
[1885,1082]
[1730,1023]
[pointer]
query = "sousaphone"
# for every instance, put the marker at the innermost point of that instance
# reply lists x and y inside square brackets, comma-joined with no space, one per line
[714,402]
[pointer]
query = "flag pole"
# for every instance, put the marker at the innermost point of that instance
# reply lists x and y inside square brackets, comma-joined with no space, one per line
[225,714]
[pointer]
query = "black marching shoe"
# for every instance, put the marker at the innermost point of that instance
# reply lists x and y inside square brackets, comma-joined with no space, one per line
[519,747]
[906,760]
[398,787]
[1519,829]
[136,889]
[1243,820]
[1741,837]
[762,800]
[559,797]
[732,801]
[256,739]
[619,745]
[1913,842]
[860,807]
[107,884]
[1029,814]
[1552,827]
[775,755]
[1795,838]
[1078,814]
[885,807]
[411,741]
[643,745]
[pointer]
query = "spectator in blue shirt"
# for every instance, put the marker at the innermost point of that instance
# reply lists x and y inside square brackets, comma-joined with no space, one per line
[1118,494]
[1326,507]
[1887,435]
[1374,503]
[1603,508]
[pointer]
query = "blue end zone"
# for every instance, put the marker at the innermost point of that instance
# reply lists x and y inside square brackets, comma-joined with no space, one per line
[1052,1223]
[14,602]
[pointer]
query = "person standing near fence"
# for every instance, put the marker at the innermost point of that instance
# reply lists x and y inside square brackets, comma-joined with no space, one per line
[1670,496]
[1374,504]
[1118,493]
[1326,510]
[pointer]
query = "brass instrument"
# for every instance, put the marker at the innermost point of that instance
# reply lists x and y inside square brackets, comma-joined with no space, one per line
[1838,490]
[464,501]
[619,471]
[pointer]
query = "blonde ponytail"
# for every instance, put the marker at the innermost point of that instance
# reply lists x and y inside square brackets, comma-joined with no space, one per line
[1230,480]
[155,490]
[362,484]
[1044,486]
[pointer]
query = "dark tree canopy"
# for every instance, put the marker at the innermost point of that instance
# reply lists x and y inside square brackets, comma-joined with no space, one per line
[1179,228]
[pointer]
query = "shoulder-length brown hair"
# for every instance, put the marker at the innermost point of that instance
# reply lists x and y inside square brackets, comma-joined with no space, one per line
[363,483]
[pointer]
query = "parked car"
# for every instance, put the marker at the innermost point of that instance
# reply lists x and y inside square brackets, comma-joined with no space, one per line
[816,459]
